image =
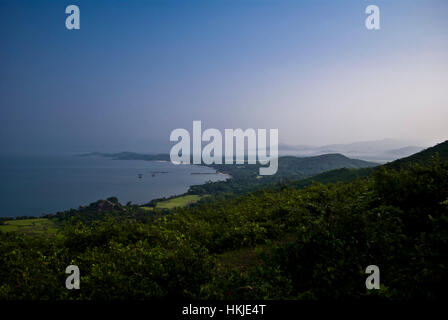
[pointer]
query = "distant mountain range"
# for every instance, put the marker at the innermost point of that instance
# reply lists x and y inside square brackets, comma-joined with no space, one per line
[379,151]
[346,174]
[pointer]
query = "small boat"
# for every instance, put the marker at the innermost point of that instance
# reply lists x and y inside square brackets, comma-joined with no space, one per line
[140,176]
[153,174]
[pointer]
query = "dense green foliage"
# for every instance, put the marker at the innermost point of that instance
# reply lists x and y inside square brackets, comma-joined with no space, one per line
[441,150]
[311,243]
[102,210]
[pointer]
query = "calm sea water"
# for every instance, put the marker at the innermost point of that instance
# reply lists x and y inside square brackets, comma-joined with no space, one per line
[35,185]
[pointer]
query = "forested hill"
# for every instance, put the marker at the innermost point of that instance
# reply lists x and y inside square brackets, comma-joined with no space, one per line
[346,174]
[440,150]
[312,165]
[301,167]
[246,177]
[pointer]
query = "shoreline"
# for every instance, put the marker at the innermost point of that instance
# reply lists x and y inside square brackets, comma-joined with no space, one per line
[141,203]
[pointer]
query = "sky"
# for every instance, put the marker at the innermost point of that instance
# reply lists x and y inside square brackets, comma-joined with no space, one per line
[136,70]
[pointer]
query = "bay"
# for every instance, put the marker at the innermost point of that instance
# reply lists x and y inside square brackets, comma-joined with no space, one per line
[36,185]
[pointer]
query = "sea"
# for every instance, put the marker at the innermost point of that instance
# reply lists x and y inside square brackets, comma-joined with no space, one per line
[38,185]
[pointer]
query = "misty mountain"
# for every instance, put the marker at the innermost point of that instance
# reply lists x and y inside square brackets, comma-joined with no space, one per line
[440,150]
[379,150]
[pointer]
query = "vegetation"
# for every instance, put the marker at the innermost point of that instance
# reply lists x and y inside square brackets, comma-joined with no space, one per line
[175,202]
[282,242]
[441,150]
[245,178]
[40,226]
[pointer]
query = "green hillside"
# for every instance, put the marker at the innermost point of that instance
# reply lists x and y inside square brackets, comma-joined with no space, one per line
[346,174]
[245,178]
[440,150]
[333,176]
[307,243]
[290,167]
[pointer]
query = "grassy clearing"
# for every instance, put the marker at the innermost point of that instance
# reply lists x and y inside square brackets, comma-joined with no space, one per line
[181,201]
[31,226]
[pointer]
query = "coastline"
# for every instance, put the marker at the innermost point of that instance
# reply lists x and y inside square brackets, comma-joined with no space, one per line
[174,185]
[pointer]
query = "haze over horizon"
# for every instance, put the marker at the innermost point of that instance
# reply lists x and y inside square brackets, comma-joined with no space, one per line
[137,70]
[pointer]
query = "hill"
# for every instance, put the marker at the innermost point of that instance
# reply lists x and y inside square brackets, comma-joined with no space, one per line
[245,177]
[346,175]
[290,167]
[440,150]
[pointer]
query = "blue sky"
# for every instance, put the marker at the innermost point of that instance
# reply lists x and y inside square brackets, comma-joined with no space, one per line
[136,70]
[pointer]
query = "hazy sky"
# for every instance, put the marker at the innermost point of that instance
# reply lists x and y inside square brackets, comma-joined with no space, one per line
[136,70]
